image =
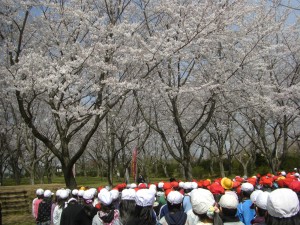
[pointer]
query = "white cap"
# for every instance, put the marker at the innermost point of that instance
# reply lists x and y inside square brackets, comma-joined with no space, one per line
[296,174]
[228,202]
[39,191]
[75,192]
[187,185]
[180,184]
[114,194]
[80,193]
[247,187]
[201,200]
[64,194]
[152,186]
[88,194]
[254,194]
[144,197]
[283,173]
[68,190]
[105,197]
[48,193]
[194,185]
[133,185]
[262,199]
[93,190]
[57,193]
[160,185]
[128,194]
[283,203]
[175,197]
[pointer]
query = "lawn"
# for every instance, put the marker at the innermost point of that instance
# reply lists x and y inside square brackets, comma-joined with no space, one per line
[26,218]
[58,182]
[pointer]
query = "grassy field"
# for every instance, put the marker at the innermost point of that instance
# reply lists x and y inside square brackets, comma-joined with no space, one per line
[58,182]
[26,218]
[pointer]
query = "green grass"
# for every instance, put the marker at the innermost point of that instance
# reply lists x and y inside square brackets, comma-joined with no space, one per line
[81,181]
[57,182]
[22,219]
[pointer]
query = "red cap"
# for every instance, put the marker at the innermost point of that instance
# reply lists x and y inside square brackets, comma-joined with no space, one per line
[239,179]
[218,180]
[280,183]
[287,181]
[200,183]
[252,181]
[174,184]
[205,183]
[167,185]
[266,182]
[98,206]
[142,186]
[216,188]
[236,184]
[295,186]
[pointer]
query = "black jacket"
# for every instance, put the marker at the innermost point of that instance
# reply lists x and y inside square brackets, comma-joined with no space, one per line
[69,213]
[85,215]
[44,210]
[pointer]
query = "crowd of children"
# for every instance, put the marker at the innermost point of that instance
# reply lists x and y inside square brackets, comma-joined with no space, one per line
[257,200]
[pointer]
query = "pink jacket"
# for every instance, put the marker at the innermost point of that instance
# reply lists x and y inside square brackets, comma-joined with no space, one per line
[35,207]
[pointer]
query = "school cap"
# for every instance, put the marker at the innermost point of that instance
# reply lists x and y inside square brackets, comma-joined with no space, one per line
[201,200]
[175,197]
[145,197]
[262,199]
[39,191]
[283,203]
[228,201]
[63,194]
[254,195]
[48,193]
[128,194]
[247,187]
[105,197]
[227,183]
[88,194]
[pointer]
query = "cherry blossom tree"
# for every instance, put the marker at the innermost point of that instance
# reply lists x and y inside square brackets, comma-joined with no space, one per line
[62,55]
[76,60]
[212,44]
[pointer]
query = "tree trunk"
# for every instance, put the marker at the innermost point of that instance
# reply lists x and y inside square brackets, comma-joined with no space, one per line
[110,173]
[164,166]
[69,177]
[211,167]
[83,168]
[16,171]
[221,166]
[187,170]
[98,170]
[230,165]
[245,169]
[32,180]
[127,179]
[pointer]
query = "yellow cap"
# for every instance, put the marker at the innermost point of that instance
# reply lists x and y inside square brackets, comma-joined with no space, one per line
[227,183]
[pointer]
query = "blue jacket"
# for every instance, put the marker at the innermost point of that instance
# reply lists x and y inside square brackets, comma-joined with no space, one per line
[244,212]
